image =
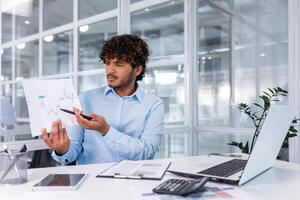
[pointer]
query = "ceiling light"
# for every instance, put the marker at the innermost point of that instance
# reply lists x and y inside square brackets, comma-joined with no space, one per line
[21,46]
[1,51]
[84,28]
[27,22]
[49,38]
[262,55]
[147,9]
[209,58]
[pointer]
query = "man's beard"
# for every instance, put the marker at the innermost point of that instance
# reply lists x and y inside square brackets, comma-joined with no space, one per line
[126,81]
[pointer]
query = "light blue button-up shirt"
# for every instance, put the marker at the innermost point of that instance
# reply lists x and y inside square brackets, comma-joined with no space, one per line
[136,127]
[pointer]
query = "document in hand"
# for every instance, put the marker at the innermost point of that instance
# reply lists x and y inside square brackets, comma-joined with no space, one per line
[144,169]
[45,98]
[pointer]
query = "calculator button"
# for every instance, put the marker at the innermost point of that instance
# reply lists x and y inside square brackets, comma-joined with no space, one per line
[180,186]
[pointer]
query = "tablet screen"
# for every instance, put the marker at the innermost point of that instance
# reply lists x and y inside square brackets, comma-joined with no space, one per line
[60,180]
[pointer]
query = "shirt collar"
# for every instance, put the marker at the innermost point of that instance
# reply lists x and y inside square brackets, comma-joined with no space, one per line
[137,94]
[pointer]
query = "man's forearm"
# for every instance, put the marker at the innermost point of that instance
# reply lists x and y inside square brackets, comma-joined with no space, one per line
[131,148]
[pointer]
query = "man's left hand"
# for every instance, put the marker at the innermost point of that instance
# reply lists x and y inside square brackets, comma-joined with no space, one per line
[98,122]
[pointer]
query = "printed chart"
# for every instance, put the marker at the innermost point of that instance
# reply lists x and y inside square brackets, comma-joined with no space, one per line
[45,98]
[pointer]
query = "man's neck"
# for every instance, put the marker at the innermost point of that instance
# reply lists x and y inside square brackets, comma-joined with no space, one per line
[126,91]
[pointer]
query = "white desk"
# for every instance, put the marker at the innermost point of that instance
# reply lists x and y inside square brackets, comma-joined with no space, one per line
[280,182]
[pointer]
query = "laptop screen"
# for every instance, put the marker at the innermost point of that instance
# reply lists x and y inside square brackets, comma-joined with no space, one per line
[269,141]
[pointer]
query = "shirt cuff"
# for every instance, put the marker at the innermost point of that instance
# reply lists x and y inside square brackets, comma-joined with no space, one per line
[112,137]
[63,158]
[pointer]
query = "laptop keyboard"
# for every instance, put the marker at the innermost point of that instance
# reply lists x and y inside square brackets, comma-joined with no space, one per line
[225,169]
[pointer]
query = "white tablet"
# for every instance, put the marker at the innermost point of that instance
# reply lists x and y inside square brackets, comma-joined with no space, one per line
[60,182]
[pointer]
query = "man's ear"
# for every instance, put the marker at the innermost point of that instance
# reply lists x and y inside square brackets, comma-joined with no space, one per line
[138,70]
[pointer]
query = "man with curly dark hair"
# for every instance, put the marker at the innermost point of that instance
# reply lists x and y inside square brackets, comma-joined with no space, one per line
[129,49]
[127,123]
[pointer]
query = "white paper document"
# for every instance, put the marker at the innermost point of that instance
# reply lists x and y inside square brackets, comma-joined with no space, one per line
[45,98]
[145,169]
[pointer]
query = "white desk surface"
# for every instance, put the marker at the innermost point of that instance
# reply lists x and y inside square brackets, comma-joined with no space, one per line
[280,182]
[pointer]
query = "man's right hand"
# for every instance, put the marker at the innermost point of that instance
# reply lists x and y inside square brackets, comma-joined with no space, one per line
[58,140]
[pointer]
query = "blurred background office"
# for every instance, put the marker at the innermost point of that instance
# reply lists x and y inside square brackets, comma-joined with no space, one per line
[207,56]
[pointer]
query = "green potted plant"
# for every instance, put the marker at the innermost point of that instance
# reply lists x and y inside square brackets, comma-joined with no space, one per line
[258,112]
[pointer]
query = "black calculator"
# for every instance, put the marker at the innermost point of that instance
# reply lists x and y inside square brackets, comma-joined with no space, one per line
[180,186]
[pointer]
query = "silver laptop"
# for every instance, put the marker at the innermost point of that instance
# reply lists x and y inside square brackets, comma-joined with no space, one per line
[238,171]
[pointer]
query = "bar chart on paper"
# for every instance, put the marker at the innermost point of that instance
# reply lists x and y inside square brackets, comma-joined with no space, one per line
[45,98]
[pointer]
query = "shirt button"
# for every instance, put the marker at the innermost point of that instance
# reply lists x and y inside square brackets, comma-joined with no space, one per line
[66,160]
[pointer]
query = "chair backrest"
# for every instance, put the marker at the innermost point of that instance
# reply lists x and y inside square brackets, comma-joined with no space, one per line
[7,114]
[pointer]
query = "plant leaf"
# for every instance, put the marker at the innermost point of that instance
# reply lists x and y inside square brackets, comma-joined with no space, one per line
[258,105]
[246,148]
[267,94]
[271,90]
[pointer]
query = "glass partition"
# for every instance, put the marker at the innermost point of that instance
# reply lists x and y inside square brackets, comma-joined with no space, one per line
[6,14]
[173,144]
[237,66]
[214,62]
[89,82]
[58,53]
[7,92]
[6,64]
[26,59]
[91,38]
[135,1]
[57,13]
[27,18]
[162,26]
[89,8]
[242,48]
[168,83]
[217,142]
[260,49]
[21,105]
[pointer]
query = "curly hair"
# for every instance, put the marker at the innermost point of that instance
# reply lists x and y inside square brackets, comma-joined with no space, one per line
[127,48]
